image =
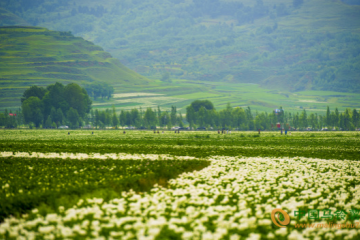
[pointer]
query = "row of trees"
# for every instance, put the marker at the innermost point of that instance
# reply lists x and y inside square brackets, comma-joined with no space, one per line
[139,118]
[203,114]
[54,104]
[200,114]
[10,119]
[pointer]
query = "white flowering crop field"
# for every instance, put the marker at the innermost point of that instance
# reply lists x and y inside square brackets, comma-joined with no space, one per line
[233,197]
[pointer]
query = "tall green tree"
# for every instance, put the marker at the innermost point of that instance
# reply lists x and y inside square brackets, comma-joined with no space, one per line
[173,116]
[33,91]
[328,117]
[197,104]
[355,118]
[59,117]
[181,121]
[48,122]
[150,118]
[296,121]
[303,119]
[190,116]
[114,120]
[73,118]
[55,98]
[348,120]
[239,118]
[77,98]
[32,109]
[122,118]
[135,117]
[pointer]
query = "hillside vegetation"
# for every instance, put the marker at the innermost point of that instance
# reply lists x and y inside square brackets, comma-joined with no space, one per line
[9,19]
[32,55]
[288,44]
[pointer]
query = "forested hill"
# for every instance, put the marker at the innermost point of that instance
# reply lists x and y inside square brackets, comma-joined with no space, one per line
[291,44]
[36,56]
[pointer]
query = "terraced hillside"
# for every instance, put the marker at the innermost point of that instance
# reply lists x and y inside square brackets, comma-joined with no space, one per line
[293,45]
[32,55]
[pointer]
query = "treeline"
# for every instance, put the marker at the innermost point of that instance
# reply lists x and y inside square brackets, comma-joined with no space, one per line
[199,115]
[11,119]
[137,118]
[203,114]
[97,90]
[55,105]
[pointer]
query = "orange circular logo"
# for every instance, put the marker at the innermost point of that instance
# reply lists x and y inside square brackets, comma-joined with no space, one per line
[280,220]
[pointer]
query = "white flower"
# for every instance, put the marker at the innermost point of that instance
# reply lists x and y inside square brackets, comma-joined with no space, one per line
[265,222]
[254,236]
[234,237]
[154,231]
[46,229]
[187,235]
[281,232]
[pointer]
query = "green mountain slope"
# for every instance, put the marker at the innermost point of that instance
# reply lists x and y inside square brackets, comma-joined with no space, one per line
[37,56]
[9,19]
[283,44]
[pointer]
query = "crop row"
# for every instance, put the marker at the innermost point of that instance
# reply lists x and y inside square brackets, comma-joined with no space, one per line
[318,145]
[231,199]
[27,183]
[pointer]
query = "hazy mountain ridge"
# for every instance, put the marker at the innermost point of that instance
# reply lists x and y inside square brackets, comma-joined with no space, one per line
[37,56]
[9,19]
[294,45]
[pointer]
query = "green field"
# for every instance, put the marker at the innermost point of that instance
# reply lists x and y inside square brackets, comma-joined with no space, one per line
[181,93]
[207,185]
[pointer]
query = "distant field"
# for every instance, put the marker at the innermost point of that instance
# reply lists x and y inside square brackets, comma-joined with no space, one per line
[181,93]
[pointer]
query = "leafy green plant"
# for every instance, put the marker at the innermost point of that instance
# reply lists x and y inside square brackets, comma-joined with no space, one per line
[31,182]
